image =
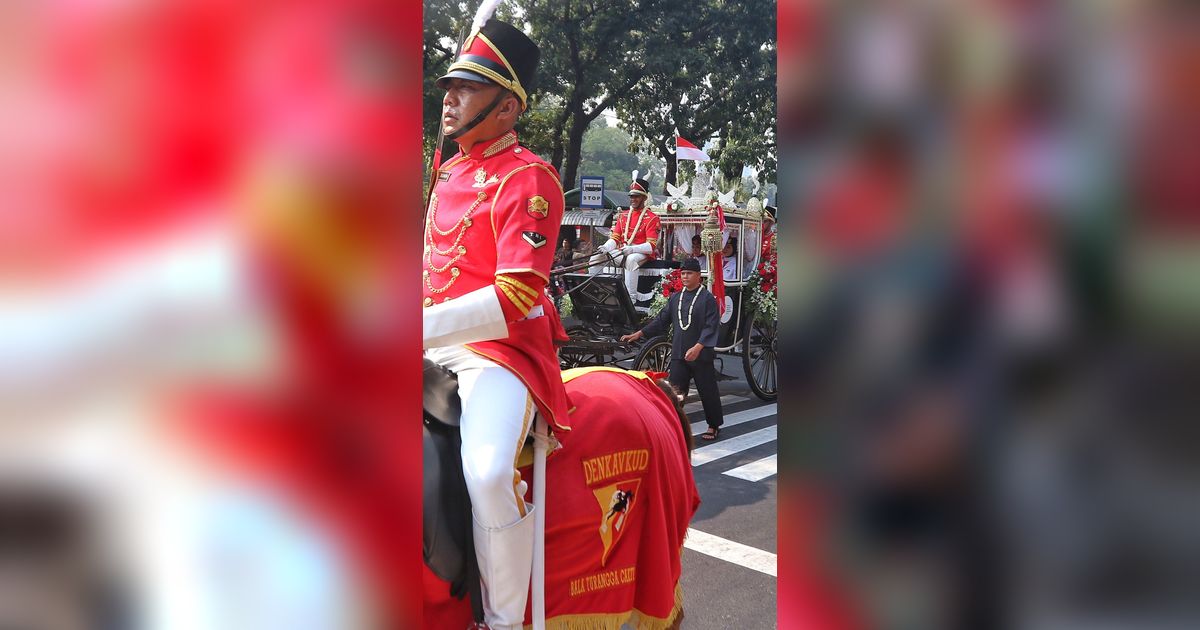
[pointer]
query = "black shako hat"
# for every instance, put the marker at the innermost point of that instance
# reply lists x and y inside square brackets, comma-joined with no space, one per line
[497,53]
[690,264]
[640,186]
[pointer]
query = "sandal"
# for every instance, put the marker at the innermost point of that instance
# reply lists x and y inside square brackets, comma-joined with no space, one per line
[711,434]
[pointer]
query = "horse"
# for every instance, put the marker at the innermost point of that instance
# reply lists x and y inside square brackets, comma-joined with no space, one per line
[619,497]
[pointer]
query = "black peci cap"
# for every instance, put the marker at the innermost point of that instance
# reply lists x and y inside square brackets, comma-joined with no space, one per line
[690,264]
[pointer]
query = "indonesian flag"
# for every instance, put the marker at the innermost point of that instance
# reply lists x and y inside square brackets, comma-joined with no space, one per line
[685,150]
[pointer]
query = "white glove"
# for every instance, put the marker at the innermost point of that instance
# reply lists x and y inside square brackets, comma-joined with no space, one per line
[476,316]
[608,246]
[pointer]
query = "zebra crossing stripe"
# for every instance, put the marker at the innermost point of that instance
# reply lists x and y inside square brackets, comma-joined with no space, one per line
[735,419]
[730,551]
[727,399]
[756,471]
[731,446]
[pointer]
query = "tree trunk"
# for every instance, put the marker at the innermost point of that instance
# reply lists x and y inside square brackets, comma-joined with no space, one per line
[579,124]
[672,166]
[556,155]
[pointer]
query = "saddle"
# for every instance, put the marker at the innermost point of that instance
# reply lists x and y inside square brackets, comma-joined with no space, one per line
[447,540]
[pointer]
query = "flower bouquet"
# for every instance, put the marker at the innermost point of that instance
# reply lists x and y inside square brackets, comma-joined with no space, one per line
[670,283]
[764,289]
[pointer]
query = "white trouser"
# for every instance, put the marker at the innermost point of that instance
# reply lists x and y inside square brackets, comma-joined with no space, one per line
[632,264]
[497,412]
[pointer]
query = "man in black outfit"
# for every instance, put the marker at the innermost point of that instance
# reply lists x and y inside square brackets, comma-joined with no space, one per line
[692,315]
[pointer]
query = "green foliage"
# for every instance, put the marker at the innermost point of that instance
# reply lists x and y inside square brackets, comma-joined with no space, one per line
[606,153]
[706,67]
[718,79]
[537,126]
[444,19]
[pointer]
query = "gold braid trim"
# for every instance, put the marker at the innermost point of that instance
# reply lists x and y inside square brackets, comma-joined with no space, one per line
[503,82]
[517,291]
[540,274]
[505,141]
[516,81]
[518,284]
[496,196]
[520,293]
[516,299]
[615,621]
[574,373]
[530,409]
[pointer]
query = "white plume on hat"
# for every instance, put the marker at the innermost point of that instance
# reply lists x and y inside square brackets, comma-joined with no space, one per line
[485,12]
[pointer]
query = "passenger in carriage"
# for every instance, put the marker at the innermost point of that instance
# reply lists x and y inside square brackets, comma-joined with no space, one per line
[694,253]
[698,255]
[730,262]
[493,214]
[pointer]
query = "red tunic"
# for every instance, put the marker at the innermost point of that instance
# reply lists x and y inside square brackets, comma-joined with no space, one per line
[496,211]
[627,231]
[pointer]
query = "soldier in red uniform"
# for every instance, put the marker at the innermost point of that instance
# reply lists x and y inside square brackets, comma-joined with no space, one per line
[634,238]
[493,212]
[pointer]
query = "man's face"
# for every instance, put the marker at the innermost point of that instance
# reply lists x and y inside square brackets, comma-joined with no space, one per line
[463,100]
[691,279]
[636,202]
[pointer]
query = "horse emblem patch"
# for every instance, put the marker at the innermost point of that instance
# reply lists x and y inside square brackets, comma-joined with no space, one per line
[538,207]
[616,503]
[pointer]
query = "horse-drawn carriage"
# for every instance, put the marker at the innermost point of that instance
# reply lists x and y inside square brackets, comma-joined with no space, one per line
[602,310]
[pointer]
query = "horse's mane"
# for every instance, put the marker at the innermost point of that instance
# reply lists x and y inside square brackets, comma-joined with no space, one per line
[677,402]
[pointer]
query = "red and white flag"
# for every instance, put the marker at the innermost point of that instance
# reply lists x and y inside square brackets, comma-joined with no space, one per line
[685,150]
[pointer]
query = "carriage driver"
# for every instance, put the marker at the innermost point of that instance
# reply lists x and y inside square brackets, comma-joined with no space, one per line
[492,215]
[634,237]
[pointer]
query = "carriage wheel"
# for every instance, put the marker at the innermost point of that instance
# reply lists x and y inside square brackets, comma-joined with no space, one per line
[655,356]
[573,356]
[760,358]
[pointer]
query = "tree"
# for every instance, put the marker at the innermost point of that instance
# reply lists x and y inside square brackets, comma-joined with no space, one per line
[705,66]
[537,126]
[718,81]
[750,143]
[593,54]
[605,152]
[444,22]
